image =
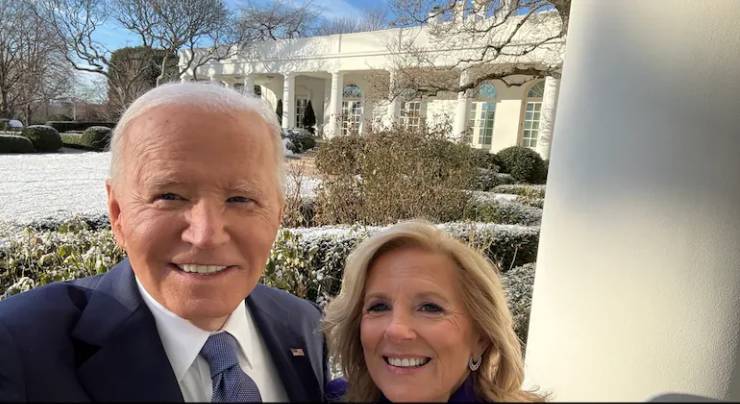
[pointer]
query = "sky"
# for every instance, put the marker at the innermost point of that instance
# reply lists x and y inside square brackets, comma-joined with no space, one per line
[113,37]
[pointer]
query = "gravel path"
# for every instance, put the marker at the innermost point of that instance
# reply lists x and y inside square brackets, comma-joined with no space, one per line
[40,186]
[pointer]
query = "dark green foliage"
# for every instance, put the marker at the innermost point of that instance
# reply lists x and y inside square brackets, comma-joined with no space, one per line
[64,126]
[97,137]
[300,140]
[486,159]
[279,110]
[530,191]
[523,163]
[309,118]
[518,284]
[73,140]
[485,179]
[44,138]
[15,144]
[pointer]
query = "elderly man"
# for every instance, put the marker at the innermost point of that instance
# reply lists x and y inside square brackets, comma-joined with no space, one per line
[195,199]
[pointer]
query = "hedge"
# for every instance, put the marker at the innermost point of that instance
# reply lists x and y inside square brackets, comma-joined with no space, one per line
[15,144]
[528,190]
[307,262]
[66,126]
[44,138]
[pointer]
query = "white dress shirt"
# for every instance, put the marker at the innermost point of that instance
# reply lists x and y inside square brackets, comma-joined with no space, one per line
[183,341]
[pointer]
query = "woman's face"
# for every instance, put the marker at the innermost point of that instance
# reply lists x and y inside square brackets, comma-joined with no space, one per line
[416,334]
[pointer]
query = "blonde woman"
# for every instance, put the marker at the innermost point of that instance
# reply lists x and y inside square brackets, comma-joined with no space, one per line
[422,317]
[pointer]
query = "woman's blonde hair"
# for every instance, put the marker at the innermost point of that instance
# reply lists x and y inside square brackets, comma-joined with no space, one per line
[501,373]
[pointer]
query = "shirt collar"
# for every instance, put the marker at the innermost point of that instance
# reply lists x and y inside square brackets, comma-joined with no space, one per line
[182,340]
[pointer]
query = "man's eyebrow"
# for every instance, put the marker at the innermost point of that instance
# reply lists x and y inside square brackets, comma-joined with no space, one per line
[160,182]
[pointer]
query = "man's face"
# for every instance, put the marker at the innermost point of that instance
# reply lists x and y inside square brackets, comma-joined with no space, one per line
[196,206]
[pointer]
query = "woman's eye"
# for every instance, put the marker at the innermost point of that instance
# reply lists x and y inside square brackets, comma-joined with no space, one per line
[238,199]
[431,308]
[377,307]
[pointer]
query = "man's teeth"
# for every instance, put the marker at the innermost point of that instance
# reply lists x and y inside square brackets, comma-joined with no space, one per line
[202,269]
[408,362]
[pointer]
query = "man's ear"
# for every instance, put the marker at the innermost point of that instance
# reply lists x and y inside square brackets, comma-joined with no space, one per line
[114,214]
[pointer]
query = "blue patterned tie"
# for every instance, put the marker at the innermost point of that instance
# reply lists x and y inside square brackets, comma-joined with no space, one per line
[230,383]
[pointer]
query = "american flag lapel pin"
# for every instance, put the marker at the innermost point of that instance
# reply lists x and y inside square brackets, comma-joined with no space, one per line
[297,352]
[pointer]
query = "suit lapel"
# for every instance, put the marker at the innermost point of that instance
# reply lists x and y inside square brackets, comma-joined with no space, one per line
[119,352]
[296,372]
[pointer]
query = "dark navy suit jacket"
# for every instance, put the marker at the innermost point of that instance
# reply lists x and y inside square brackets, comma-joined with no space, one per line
[94,339]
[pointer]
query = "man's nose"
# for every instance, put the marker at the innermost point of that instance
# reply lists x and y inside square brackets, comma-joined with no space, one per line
[400,327]
[206,226]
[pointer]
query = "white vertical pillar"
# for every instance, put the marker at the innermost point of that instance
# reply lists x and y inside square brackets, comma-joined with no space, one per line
[249,84]
[335,104]
[394,107]
[637,290]
[289,100]
[463,106]
[327,99]
[547,118]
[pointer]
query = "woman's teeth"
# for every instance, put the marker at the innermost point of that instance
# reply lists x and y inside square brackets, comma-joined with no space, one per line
[407,362]
[202,269]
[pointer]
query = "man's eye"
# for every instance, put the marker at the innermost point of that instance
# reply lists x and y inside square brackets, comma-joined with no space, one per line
[239,199]
[377,307]
[168,197]
[431,308]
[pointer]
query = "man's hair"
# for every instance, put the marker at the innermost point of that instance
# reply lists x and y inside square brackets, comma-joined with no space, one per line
[208,97]
[501,373]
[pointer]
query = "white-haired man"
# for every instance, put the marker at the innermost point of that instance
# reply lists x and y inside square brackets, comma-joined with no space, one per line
[195,199]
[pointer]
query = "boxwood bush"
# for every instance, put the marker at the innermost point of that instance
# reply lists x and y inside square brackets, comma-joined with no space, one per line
[97,137]
[502,212]
[15,144]
[526,190]
[44,138]
[66,126]
[523,163]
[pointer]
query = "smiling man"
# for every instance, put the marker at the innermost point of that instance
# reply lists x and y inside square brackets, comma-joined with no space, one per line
[195,199]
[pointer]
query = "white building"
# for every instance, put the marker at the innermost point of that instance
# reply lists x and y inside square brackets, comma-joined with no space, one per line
[335,72]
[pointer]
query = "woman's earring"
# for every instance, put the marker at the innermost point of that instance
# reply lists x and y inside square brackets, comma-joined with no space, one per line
[474,363]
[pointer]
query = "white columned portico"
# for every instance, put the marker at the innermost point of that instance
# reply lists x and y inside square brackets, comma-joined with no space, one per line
[462,108]
[249,84]
[288,100]
[335,104]
[547,119]
[637,287]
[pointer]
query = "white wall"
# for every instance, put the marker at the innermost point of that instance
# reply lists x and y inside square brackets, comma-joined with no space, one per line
[637,290]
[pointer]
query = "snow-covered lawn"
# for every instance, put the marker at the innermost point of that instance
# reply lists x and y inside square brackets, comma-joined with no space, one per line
[38,186]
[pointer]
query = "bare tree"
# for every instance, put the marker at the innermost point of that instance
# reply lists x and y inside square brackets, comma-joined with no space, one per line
[32,68]
[276,19]
[165,27]
[500,39]
[372,20]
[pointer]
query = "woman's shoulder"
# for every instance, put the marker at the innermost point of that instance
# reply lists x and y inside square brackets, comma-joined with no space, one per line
[336,389]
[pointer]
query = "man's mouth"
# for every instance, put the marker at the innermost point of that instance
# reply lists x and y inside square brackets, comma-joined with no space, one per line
[407,362]
[201,268]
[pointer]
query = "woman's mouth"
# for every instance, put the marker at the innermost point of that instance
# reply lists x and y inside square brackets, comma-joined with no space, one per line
[406,362]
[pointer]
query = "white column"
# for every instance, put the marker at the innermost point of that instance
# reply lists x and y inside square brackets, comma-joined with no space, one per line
[547,117]
[637,290]
[463,106]
[335,104]
[289,100]
[249,84]
[394,107]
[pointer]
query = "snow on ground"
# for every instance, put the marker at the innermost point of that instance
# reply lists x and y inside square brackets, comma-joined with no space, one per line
[39,186]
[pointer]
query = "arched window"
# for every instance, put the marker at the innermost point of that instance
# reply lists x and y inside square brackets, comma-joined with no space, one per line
[351,109]
[532,114]
[482,114]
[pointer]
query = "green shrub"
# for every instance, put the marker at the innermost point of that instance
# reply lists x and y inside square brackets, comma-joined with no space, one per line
[44,138]
[59,117]
[73,139]
[486,159]
[502,213]
[393,174]
[96,137]
[518,284]
[531,191]
[523,163]
[485,179]
[300,140]
[15,144]
[66,126]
